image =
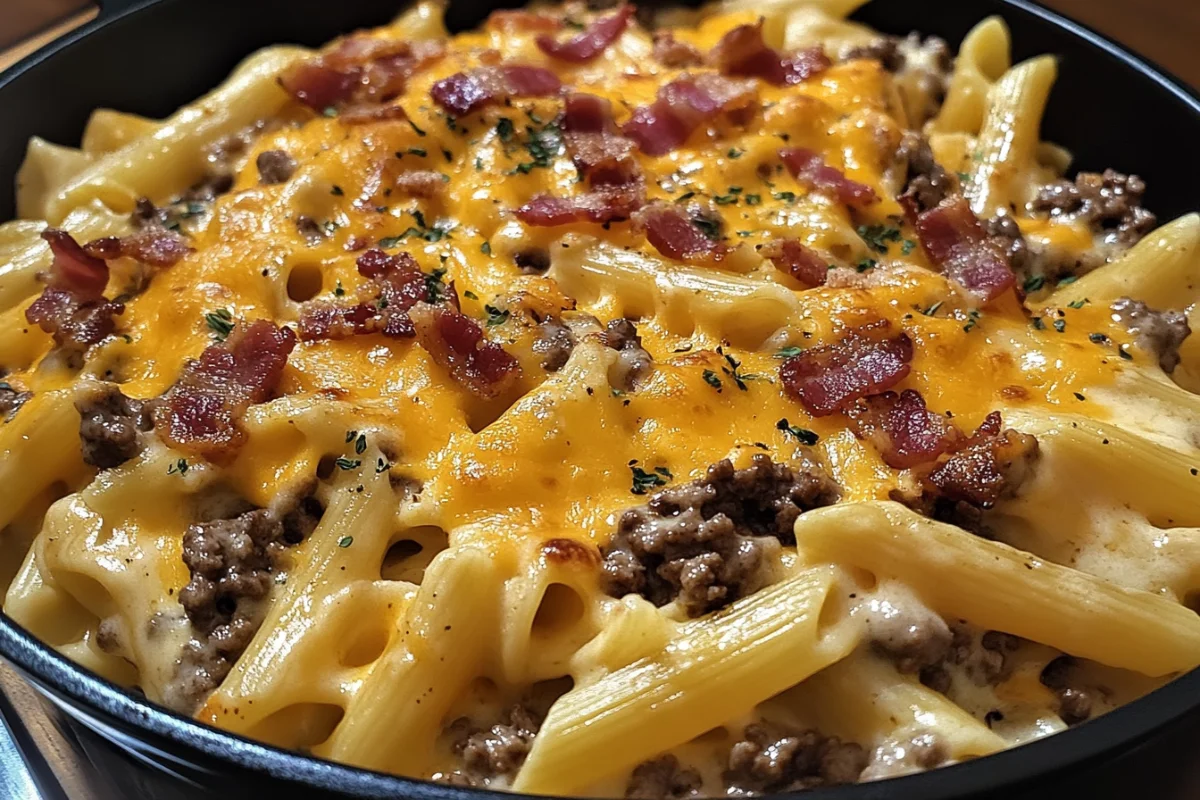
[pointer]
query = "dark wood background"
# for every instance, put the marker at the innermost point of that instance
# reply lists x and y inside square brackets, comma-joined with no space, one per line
[1165,31]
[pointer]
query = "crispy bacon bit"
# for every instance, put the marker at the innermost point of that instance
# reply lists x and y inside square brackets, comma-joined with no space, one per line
[599,152]
[905,432]
[744,53]
[421,183]
[605,160]
[809,168]
[72,307]
[605,204]
[464,92]
[957,243]
[153,245]
[508,20]
[985,466]
[798,260]
[201,414]
[670,52]
[588,44]
[676,235]
[456,341]
[397,284]
[683,105]
[360,69]
[830,378]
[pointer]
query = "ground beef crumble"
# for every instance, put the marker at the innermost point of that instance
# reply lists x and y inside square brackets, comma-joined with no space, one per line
[634,362]
[554,343]
[982,656]
[495,751]
[11,401]
[1110,202]
[926,183]
[1160,333]
[711,541]
[274,166]
[772,759]
[110,425]
[663,779]
[923,63]
[232,564]
[1075,703]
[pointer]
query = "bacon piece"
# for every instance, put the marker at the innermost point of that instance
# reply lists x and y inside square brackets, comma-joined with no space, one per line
[956,242]
[604,204]
[397,284]
[830,378]
[456,342]
[676,235]
[743,52]
[588,44]
[464,92]
[683,105]
[905,432]
[796,259]
[603,158]
[509,20]
[991,464]
[670,52]
[72,307]
[201,414]
[359,69]
[153,245]
[809,168]
[599,152]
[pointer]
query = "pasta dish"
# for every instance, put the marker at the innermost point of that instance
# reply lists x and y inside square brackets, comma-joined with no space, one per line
[606,402]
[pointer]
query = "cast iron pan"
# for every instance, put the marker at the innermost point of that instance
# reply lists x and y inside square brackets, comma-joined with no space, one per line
[151,56]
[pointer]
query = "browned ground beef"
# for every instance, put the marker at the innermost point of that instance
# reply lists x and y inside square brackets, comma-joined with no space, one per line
[11,401]
[492,752]
[885,50]
[1006,234]
[232,564]
[912,638]
[711,541]
[634,362]
[773,759]
[1158,332]
[663,779]
[554,344]
[274,166]
[310,229]
[1111,203]
[110,424]
[982,656]
[1074,701]
[926,184]
[924,63]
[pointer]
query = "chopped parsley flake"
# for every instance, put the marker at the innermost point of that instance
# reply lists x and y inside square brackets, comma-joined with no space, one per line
[486,248]
[725,199]
[712,380]
[709,227]
[802,435]
[180,467]
[220,322]
[433,284]
[381,465]
[788,352]
[735,152]
[496,316]
[907,247]
[972,321]
[336,191]
[329,111]
[1060,325]
[345,541]
[350,436]
[1067,280]
[878,236]
[470,295]
[1079,396]
[933,309]
[416,130]
[1038,323]
[644,481]
[388,242]
[348,464]
[1078,303]
[360,444]
[1098,338]
[734,372]
[685,196]
[420,152]
[753,199]
[1033,283]
[866,264]
[1125,354]
[338,291]
[785,197]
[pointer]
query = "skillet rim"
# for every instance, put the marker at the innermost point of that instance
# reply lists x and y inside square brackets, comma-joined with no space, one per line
[117,712]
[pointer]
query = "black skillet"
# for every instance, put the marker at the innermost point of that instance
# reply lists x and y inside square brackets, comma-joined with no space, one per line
[151,56]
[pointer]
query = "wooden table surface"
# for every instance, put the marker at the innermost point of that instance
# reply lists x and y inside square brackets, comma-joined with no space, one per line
[1165,31]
